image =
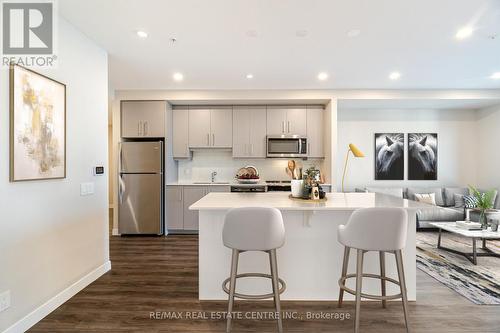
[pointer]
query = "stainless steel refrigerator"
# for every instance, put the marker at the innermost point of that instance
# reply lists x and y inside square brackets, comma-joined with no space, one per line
[141,188]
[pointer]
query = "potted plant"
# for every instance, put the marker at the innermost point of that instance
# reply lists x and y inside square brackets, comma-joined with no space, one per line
[484,203]
[312,178]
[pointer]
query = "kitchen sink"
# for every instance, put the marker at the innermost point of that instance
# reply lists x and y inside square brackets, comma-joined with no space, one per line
[211,183]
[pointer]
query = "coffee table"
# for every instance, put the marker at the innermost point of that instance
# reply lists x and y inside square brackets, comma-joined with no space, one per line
[484,235]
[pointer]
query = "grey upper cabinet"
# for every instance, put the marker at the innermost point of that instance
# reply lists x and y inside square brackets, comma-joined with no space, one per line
[315,132]
[286,120]
[210,128]
[143,119]
[199,128]
[221,127]
[249,132]
[296,121]
[180,128]
[276,121]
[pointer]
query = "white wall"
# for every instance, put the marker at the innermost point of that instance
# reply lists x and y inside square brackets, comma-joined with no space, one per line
[457,144]
[50,236]
[488,131]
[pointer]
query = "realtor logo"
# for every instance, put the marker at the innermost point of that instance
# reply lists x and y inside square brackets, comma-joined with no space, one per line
[28,29]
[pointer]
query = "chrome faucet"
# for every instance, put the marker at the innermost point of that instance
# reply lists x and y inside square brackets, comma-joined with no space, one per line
[214,173]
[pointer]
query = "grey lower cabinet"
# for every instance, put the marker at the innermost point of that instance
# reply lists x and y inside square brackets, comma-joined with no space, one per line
[191,195]
[174,208]
[178,198]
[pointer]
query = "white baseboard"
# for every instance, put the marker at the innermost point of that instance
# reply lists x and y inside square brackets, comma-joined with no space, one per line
[43,310]
[115,232]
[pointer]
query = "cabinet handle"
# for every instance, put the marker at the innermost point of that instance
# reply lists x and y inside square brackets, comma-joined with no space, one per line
[282,127]
[145,128]
[180,194]
[288,127]
[213,139]
[139,128]
[208,139]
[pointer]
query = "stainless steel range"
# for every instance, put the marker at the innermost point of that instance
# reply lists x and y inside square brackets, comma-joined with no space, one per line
[243,188]
[268,186]
[279,185]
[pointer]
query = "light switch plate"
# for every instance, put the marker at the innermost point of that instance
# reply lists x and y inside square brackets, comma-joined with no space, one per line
[86,189]
[90,188]
[4,300]
[83,189]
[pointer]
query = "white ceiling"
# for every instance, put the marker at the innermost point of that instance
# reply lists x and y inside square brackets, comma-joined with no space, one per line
[214,49]
[416,104]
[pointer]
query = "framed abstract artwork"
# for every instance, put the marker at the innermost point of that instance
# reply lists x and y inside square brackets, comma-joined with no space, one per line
[422,156]
[389,156]
[37,126]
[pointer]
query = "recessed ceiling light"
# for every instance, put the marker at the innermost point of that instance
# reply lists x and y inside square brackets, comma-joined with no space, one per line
[178,77]
[252,33]
[353,33]
[142,34]
[394,75]
[301,33]
[495,76]
[249,76]
[322,76]
[464,32]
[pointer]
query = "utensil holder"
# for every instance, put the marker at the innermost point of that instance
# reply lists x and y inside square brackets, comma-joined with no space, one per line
[297,187]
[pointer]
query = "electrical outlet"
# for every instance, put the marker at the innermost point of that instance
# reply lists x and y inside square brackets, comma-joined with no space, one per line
[4,300]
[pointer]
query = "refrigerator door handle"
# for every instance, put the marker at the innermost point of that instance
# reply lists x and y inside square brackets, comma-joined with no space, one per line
[119,157]
[120,189]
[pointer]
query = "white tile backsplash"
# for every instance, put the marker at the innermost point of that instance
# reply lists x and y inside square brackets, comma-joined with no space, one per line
[204,162]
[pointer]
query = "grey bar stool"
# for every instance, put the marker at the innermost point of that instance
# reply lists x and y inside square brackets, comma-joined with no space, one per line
[254,229]
[374,229]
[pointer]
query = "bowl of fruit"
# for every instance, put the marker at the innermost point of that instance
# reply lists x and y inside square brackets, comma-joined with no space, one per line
[248,175]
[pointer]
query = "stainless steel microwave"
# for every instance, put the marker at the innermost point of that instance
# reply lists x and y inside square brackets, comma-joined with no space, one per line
[286,146]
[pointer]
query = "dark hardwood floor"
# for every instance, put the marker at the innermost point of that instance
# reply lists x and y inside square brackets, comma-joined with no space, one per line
[161,274]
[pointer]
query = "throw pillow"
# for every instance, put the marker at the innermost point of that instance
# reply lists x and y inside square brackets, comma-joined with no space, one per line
[459,200]
[428,198]
[470,201]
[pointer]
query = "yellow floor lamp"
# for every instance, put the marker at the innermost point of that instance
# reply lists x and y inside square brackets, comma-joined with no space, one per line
[357,153]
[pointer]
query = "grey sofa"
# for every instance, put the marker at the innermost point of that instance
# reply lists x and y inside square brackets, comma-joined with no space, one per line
[446,209]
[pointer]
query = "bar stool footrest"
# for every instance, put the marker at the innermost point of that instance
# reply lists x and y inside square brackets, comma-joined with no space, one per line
[370,296]
[254,297]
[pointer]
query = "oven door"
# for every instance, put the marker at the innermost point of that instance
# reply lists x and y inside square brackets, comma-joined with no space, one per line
[286,147]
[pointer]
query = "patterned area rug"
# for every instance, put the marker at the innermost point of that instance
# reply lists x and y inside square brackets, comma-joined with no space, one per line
[479,284]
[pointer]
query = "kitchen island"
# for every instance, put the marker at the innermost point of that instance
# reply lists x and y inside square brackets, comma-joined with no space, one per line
[310,262]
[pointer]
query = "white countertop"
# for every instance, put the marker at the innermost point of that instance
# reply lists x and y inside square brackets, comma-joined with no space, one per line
[280,200]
